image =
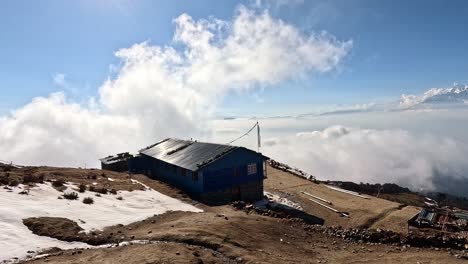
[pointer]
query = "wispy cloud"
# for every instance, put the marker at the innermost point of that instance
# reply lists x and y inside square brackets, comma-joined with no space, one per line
[59,80]
[277,3]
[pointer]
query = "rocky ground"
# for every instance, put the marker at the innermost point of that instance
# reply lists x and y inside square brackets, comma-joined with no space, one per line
[226,235]
[229,234]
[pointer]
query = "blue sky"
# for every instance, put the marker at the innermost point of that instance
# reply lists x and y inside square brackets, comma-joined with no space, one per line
[398,47]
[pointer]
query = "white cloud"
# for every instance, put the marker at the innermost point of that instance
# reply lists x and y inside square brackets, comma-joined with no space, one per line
[59,80]
[379,156]
[54,131]
[162,91]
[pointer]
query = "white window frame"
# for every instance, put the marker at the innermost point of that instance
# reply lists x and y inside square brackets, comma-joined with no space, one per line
[252,169]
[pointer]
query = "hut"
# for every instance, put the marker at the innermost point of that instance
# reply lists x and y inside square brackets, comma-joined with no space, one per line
[117,163]
[213,173]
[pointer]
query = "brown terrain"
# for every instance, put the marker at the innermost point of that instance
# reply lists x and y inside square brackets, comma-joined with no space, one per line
[224,234]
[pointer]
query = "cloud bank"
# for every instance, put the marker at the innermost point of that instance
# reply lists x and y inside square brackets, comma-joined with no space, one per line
[421,162]
[169,90]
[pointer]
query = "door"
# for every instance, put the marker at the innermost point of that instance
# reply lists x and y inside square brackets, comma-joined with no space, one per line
[236,195]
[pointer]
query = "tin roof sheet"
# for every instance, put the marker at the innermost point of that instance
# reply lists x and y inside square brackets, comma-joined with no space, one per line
[190,155]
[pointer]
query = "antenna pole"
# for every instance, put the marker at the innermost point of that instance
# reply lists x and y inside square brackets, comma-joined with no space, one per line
[258,138]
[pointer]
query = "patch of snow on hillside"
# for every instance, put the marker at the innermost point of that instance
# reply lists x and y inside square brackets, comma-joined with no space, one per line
[16,239]
[282,200]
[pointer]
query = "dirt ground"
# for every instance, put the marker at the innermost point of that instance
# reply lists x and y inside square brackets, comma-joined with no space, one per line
[362,212]
[231,236]
[396,219]
[223,234]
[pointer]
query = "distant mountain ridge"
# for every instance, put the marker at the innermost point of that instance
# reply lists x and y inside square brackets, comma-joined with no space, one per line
[456,94]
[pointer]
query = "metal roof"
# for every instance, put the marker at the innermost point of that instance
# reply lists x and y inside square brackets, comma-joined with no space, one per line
[117,158]
[187,154]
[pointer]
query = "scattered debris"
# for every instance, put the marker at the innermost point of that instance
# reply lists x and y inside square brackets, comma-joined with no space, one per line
[345,214]
[295,171]
[346,191]
[280,200]
[440,220]
[273,210]
[318,198]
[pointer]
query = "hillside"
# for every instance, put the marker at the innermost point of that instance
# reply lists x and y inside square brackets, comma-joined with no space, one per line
[393,192]
[221,234]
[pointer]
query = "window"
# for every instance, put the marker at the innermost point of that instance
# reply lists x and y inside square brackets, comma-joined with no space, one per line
[252,169]
[236,172]
[183,172]
[195,176]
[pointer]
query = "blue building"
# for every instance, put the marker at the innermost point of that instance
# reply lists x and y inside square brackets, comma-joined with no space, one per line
[117,163]
[214,173]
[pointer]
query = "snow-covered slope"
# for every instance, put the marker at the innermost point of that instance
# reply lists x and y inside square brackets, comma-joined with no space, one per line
[16,239]
[456,94]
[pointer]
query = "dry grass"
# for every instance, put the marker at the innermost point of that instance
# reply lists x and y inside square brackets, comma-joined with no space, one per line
[98,180]
[362,211]
[397,220]
[88,200]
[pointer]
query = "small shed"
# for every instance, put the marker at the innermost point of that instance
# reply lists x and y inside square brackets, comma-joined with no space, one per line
[117,163]
[214,173]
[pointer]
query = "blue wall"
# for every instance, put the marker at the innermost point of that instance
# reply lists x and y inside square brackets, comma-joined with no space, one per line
[216,176]
[219,175]
[166,172]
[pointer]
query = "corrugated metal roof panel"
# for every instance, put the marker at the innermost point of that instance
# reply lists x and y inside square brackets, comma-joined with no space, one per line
[117,158]
[190,155]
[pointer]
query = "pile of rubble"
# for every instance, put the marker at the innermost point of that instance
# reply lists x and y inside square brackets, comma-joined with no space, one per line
[284,212]
[390,237]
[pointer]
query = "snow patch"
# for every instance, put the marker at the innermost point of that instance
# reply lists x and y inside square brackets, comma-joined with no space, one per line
[282,200]
[16,239]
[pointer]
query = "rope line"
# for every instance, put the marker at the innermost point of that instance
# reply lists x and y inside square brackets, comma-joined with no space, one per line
[250,130]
